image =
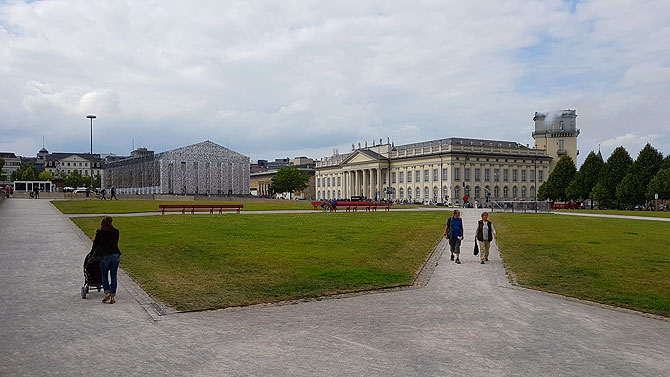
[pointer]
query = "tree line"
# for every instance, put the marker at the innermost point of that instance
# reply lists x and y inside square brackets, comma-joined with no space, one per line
[618,182]
[27,172]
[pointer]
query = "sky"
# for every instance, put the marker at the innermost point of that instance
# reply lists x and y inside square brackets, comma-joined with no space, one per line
[276,79]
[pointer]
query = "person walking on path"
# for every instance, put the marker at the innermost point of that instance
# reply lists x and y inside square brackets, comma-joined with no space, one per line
[454,233]
[113,194]
[36,190]
[485,234]
[104,194]
[106,245]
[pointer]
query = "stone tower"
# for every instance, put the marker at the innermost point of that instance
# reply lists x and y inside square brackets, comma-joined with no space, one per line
[557,134]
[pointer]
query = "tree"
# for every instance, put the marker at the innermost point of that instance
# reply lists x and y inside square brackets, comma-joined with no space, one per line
[630,191]
[573,191]
[289,179]
[589,172]
[646,166]
[25,172]
[616,168]
[3,176]
[666,163]
[660,185]
[45,176]
[600,195]
[558,181]
[74,179]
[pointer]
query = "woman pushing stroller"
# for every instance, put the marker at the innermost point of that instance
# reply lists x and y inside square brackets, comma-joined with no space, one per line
[106,246]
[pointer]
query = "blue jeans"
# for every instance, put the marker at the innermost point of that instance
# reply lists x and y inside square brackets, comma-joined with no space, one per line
[109,263]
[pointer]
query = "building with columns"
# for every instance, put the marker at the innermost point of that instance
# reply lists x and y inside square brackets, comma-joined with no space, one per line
[445,170]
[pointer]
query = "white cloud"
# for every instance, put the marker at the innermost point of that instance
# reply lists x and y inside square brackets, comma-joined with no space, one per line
[275,79]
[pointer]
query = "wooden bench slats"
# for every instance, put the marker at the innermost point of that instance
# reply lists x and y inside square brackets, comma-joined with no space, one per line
[355,205]
[193,207]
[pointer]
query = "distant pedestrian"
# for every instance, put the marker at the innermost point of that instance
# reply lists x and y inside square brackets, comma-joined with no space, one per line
[88,192]
[106,245]
[485,234]
[113,194]
[8,191]
[454,233]
[36,191]
[103,193]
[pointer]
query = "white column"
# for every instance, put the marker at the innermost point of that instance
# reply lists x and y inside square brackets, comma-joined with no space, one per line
[379,182]
[388,180]
[365,183]
[372,184]
[356,185]
[430,183]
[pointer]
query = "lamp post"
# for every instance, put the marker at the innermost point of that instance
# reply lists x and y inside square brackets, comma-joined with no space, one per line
[91,117]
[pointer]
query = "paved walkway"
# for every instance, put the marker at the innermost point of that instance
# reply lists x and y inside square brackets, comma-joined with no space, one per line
[468,321]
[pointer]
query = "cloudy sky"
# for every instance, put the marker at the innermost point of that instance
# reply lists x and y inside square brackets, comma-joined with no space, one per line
[289,78]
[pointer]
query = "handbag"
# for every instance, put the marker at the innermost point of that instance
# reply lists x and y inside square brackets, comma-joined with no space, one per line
[476,248]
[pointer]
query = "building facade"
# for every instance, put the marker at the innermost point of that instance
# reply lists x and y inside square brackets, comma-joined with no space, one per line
[260,183]
[200,169]
[56,163]
[12,163]
[445,170]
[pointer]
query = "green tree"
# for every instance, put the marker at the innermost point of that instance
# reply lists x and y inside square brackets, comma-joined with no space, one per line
[646,166]
[45,176]
[289,179]
[630,191]
[589,172]
[616,168]
[666,163]
[573,191]
[3,176]
[74,179]
[660,185]
[599,194]
[558,181]
[25,172]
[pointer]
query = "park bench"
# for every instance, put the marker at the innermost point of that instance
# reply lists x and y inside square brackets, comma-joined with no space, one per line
[354,205]
[199,207]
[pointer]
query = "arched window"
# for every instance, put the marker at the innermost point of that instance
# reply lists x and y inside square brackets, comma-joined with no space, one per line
[436,193]
[418,193]
[409,193]
[328,196]
[532,192]
[457,193]
[401,194]
[477,191]
[496,192]
[523,192]
[515,192]
[466,191]
[339,194]
[505,192]
[445,194]
[426,193]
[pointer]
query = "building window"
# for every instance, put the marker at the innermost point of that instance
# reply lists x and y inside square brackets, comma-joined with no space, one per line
[409,193]
[466,191]
[418,193]
[523,191]
[532,175]
[401,177]
[457,174]
[436,193]
[393,177]
[318,183]
[417,176]
[505,192]
[426,175]
[523,175]
[515,175]
[487,174]
[515,192]
[457,192]
[466,174]
[505,175]
[477,191]
[328,184]
[401,195]
[540,176]
[496,175]
[426,193]
[339,181]
[561,146]
[436,175]
[444,173]
[478,174]
[409,178]
[496,192]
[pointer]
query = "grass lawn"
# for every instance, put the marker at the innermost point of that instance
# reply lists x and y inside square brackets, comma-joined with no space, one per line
[204,261]
[614,261]
[618,212]
[138,206]
[134,206]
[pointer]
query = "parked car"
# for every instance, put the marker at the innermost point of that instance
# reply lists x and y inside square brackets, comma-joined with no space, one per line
[68,189]
[80,190]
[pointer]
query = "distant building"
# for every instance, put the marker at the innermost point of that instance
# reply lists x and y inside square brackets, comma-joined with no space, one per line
[278,163]
[260,182]
[302,161]
[447,170]
[56,163]
[12,163]
[204,168]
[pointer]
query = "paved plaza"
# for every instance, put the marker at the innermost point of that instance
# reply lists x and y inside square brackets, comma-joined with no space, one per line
[467,321]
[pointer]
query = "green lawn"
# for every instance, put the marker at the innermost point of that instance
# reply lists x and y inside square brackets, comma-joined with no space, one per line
[614,261]
[619,212]
[204,261]
[135,206]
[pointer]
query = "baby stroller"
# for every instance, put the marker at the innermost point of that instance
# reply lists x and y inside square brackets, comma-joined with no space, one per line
[92,274]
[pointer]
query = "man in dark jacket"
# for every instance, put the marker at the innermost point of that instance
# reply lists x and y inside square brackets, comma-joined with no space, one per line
[454,233]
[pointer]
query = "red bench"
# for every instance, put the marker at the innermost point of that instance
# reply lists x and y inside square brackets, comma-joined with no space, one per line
[199,207]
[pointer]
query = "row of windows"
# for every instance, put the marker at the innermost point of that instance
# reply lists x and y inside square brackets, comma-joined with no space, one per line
[68,171]
[73,164]
[479,193]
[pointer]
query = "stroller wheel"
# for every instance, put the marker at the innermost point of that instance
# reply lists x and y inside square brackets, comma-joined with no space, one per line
[99,288]
[83,292]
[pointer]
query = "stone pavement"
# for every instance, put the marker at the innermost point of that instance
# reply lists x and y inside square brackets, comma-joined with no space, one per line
[468,321]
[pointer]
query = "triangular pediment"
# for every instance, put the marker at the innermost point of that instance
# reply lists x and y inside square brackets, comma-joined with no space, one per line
[361,157]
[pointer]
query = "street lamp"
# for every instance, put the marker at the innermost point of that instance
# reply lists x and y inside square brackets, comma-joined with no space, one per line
[91,117]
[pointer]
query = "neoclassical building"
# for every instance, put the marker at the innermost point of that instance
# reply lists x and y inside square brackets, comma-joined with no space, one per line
[446,170]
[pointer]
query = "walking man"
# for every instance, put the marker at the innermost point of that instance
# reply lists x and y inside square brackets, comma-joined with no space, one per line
[113,194]
[485,234]
[104,194]
[454,233]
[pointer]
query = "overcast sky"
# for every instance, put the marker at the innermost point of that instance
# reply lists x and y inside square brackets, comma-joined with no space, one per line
[292,78]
